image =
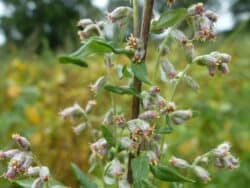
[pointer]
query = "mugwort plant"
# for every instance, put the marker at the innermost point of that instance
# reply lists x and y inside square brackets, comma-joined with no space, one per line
[130,151]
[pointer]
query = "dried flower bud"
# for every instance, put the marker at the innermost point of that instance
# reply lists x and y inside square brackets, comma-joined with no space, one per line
[221,57]
[153,90]
[15,165]
[83,23]
[222,150]
[90,106]
[170,107]
[206,60]
[202,174]
[160,101]
[129,144]
[119,120]
[139,129]
[33,171]
[223,67]
[90,30]
[22,142]
[199,8]
[73,111]
[8,153]
[100,147]
[205,33]
[119,13]
[178,162]
[180,116]
[147,100]
[115,169]
[44,173]
[231,162]
[219,162]
[169,69]
[196,9]
[213,61]
[38,183]
[211,15]
[108,117]
[11,173]
[79,128]
[27,163]
[179,36]
[149,115]
[99,83]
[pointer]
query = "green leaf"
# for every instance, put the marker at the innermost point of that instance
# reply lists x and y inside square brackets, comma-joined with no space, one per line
[123,71]
[108,136]
[144,183]
[84,180]
[27,183]
[168,19]
[166,173]
[140,72]
[93,46]
[122,90]
[140,168]
[72,60]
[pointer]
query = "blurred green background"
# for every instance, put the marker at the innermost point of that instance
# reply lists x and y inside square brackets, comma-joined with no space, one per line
[35,87]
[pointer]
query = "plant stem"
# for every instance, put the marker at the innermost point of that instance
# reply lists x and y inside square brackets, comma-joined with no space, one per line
[147,14]
[179,80]
[187,67]
[136,18]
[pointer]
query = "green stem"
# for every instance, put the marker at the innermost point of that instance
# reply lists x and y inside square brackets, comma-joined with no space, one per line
[111,80]
[197,160]
[179,80]
[160,52]
[136,18]
[157,65]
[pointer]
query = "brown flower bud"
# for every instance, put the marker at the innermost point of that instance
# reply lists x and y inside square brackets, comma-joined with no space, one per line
[22,142]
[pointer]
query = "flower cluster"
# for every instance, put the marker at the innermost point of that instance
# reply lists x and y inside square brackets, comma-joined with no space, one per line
[203,22]
[223,158]
[87,28]
[21,161]
[75,112]
[132,42]
[120,14]
[220,157]
[156,106]
[214,61]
